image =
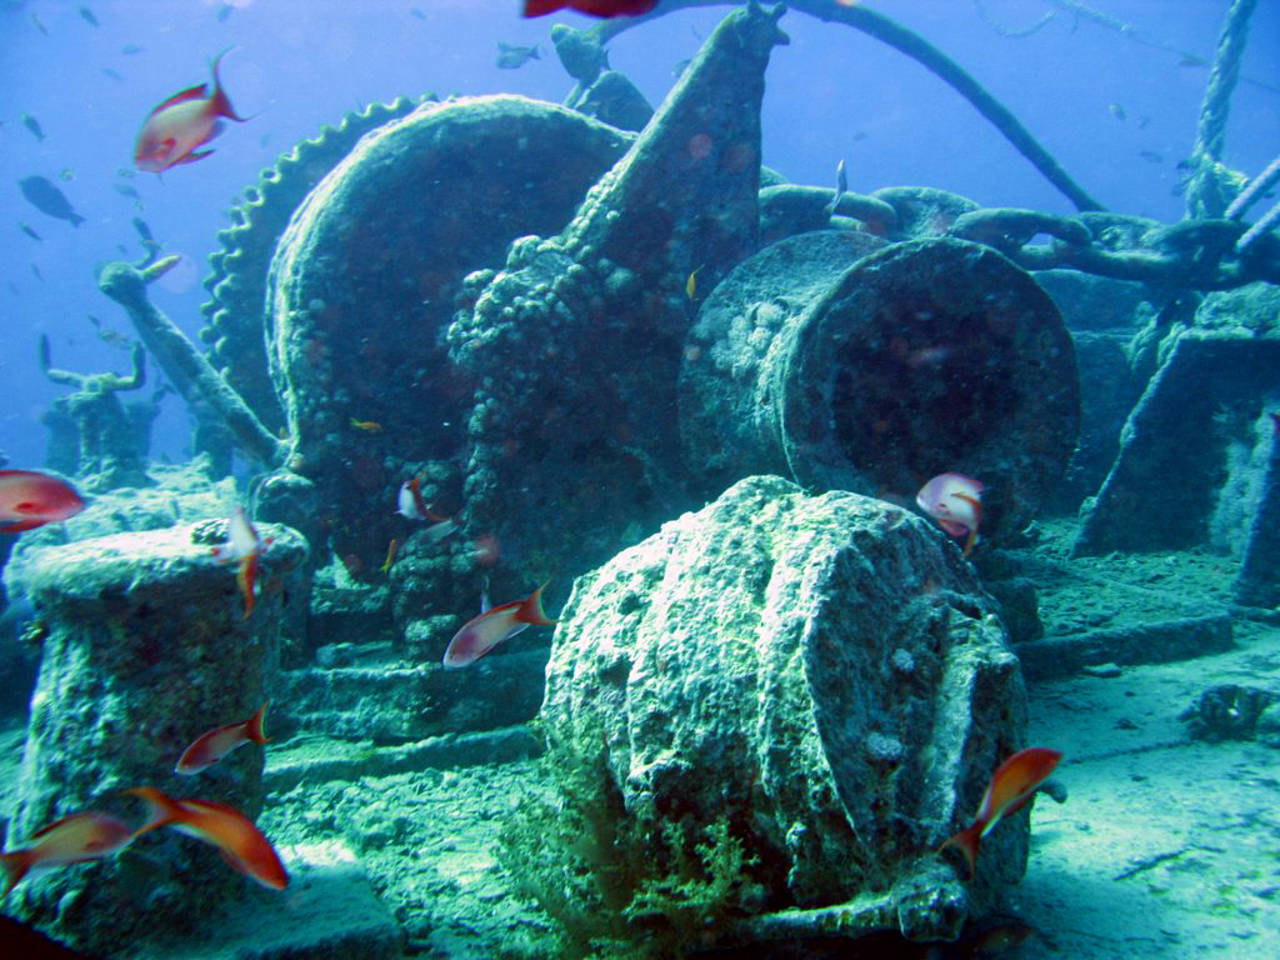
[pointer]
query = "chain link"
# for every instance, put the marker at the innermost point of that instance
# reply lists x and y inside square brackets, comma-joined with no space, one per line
[1191,254]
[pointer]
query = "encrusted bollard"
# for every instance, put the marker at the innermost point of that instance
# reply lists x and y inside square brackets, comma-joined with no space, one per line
[816,681]
[924,357]
[147,647]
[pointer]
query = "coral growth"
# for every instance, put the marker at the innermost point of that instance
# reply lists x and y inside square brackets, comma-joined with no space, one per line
[623,883]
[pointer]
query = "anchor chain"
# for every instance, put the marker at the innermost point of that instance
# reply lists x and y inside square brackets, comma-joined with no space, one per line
[1191,254]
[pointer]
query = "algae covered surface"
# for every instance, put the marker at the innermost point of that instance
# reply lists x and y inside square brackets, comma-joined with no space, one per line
[902,561]
[1163,847]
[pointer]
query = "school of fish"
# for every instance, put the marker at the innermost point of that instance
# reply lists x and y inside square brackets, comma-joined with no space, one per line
[176,132]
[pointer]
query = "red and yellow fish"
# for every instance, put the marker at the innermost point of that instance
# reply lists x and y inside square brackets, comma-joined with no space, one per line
[955,501]
[411,505]
[73,839]
[1012,787]
[243,545]
[186,121]
[30,499]
[481,634]
[211,747]
[242,844]
[596,8]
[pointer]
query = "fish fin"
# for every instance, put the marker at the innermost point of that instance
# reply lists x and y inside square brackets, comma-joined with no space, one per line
[20,525]
[418,502]
[969,542]
[48,827]
[161,808]
[531,610]
[182,96]
[220,103]
[15,866]
[193,156]
[538,8]
[245,577]
[968,841]
[253,730]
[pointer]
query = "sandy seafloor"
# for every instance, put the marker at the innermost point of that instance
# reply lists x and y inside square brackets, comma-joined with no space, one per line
[1166,847]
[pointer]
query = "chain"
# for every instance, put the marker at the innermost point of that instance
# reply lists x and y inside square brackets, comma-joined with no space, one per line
[1191,254]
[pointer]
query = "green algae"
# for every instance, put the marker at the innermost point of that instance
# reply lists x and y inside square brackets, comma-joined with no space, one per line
[621,883]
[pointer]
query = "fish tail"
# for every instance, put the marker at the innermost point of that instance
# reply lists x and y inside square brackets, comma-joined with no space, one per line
[531,610]
[967,841]
[220,102]
[161,808]
[253,730]
[246,577]
[15,865]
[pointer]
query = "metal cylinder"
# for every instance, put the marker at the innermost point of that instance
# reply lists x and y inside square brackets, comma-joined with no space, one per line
[919,358]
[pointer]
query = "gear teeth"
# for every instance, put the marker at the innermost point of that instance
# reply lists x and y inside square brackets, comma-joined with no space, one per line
[238,271]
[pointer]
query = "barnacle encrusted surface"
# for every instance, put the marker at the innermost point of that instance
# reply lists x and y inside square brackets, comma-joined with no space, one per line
[821,673]
[239,269]
[367,274]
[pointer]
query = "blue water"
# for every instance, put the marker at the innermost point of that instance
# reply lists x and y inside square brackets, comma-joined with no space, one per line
[833,93]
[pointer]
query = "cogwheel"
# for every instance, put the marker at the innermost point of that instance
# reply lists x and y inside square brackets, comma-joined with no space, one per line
[234,315]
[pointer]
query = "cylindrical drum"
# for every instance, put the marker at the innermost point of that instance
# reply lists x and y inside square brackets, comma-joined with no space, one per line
[921,358]
[816,674]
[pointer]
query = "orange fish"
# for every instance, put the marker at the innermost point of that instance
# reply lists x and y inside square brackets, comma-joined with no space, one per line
[244,545]
[30,499]
[392,547]
[596,8]
[955,501]
[368,426]
[1011,788]
[217,743]
[73,839]
[241,844]
[481,634]
[187,120]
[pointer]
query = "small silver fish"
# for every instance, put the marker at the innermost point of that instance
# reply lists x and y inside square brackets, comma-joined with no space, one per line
[842,187]
[513,57]
[32,124]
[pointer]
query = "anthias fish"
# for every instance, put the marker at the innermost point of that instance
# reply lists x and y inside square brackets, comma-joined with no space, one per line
[242,844]
[177,127]
[244,546]
[481,634]
[1011,788]
[211,747]
[955,501]
[30,499]
[596,8]
[81,836]
[411,505]
[44,195]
